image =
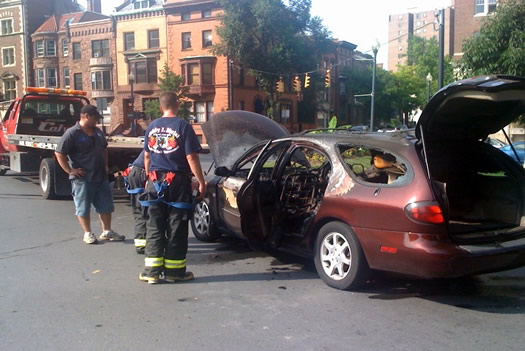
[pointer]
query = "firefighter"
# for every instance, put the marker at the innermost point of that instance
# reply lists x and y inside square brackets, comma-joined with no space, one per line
[135,179]
[170,156]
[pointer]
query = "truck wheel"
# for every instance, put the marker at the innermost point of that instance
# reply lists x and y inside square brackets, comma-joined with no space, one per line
[47,178]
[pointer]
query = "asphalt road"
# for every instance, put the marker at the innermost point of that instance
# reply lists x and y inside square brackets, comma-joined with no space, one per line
[57,293]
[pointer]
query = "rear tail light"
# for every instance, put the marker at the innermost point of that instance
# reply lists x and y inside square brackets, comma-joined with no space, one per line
[425,212]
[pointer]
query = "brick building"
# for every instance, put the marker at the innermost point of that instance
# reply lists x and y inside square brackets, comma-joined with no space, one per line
[18,19]
[141,52]
[191,31]
[402,27]
[76,51]
[469,16]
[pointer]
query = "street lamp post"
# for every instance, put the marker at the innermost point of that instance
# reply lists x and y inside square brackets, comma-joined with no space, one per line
[429,80]
[131,78]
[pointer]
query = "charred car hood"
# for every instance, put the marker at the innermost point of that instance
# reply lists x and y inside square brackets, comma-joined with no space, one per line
[471,109]
[229,134]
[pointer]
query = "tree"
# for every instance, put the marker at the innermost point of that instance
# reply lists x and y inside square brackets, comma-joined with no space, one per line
[169,81]
[272,39]
[500,46]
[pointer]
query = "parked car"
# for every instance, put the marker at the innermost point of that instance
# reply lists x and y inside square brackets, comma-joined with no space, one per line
[520,150]
[436,202]
[495,142]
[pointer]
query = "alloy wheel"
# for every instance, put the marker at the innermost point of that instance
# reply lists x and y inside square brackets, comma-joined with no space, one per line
[336,256]
[201,217]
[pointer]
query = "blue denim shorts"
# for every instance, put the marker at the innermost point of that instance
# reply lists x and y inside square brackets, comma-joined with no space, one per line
[85,194]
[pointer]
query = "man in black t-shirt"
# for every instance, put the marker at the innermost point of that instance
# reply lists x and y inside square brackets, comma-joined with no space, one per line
[170,157]
[82,153]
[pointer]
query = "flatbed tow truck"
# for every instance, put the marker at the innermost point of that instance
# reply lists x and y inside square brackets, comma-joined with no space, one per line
[30,132]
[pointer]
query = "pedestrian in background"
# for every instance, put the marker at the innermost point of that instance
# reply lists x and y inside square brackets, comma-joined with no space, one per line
[170,156]
[135,179]
[82,153]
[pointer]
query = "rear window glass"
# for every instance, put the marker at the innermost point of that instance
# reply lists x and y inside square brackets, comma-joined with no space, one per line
[374,165]
[51,109]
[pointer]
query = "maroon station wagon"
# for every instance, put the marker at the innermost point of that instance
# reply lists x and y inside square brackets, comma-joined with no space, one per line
[434,202]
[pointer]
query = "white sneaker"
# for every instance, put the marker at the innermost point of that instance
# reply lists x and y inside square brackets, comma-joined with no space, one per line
[111,236]
[90,238]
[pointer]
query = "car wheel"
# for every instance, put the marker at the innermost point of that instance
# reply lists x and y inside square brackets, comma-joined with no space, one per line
[47,178]
[3,171]
[339,258]
[202,222]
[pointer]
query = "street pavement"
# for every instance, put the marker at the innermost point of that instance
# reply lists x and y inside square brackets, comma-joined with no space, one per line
[57,293]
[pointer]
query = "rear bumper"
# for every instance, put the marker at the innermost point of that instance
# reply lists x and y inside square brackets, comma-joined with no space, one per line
[430,256]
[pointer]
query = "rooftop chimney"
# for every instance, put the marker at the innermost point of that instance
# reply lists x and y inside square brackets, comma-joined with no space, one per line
[94,6]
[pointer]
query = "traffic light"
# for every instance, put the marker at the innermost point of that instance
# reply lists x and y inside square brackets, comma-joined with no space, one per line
[327,79]
[306,81]
[279,86]
[297,84]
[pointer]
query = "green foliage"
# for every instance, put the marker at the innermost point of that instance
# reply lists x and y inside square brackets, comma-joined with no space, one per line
[500,46]
[169,81]
[272,39]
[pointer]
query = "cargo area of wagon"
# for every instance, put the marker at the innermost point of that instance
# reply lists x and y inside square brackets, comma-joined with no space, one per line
[481,189]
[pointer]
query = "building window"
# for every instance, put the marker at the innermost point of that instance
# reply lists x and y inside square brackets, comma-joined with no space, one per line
[77,77]
[193,74]
[51,77]
[101,80]
[8,56]
[206,38]
[9,89]
[203,111]
[39,48]
[399,32]
[143,4]
[153,39]
[206,13]
[51,48]
[40,78]
[285,112]
[129,41]
[67,80]
[492,6]
[207,73]
[65,48]
[186,16]
[7,26]
[100,48]
[77,51]
[483,7]
[186,40]
[145,71]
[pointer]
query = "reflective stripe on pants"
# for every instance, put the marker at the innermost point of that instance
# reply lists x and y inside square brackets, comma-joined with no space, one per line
[154,261]
[174,264]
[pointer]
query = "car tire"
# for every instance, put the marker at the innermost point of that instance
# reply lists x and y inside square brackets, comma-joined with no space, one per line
[339,258]
[46,177]
[3,171]
[202,222]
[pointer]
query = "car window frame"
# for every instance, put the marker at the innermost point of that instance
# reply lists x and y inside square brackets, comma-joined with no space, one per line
[408,177]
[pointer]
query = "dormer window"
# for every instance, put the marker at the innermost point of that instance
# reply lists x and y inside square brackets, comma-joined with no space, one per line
[143,4]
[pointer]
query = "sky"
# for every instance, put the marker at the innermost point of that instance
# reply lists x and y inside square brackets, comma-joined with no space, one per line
[363,23]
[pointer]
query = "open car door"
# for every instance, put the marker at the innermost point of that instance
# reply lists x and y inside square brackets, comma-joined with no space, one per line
[258,195]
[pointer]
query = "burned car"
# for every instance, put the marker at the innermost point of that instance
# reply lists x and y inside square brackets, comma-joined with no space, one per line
[434,202]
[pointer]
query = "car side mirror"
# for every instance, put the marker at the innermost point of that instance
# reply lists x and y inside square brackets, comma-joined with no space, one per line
[222,172]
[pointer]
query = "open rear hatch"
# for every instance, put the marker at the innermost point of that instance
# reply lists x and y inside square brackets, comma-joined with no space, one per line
[481,189]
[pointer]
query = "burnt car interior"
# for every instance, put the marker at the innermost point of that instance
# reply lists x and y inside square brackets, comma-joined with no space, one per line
[373,165]
[483,190]
[302,185]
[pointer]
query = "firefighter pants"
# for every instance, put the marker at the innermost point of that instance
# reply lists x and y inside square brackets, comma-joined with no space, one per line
[167,230]
[137,179]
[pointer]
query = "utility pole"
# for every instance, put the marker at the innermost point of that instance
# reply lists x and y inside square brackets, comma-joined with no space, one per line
[441,63]
[230,84]
[374,50]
